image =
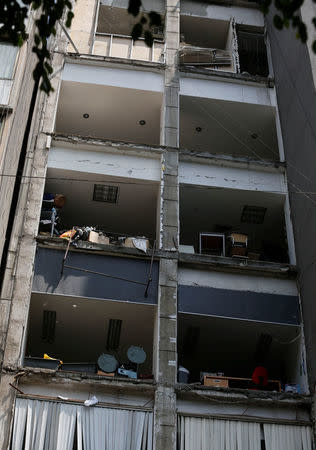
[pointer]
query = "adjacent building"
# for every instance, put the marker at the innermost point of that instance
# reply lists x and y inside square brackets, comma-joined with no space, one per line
[147,329]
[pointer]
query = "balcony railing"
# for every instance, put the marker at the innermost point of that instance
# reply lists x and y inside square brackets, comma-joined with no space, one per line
[120,46]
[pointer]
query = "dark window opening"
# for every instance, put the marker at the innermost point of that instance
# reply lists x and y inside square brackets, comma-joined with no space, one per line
[252,53]
[104,193]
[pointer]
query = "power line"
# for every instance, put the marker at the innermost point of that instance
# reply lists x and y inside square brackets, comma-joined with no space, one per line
[250,149]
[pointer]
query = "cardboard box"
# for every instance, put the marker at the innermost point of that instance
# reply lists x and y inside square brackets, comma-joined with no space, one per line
[129,242]
[97,238]
[105,374]
[215,382]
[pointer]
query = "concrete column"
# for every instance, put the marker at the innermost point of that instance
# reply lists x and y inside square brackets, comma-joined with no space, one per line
[166,320]
[169,135]
[16,292]
[165,436]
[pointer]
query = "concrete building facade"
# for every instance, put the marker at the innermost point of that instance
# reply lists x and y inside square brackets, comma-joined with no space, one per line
[180,277]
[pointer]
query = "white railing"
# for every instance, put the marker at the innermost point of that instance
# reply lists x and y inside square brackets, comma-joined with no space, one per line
[120,46]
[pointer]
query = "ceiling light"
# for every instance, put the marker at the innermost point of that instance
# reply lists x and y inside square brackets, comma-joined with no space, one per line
[142,122]
[198,129]
[103,193]
[86,116]
[74,306]
[253,214]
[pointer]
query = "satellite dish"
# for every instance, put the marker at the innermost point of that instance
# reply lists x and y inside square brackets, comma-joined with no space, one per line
[136,354]
[107,363]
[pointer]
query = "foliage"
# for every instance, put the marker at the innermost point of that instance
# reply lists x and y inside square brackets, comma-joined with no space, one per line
[289,14]
[13,16]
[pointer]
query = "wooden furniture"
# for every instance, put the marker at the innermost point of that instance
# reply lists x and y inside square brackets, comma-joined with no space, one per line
[239,383]
[212,243]
[238,244]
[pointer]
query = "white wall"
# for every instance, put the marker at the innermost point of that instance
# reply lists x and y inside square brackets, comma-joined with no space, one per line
[247,178]
[105,163]
[224,90]
[242,15]
[219,280]
[106,76]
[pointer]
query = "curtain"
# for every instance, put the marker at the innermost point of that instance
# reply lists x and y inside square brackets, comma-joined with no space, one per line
[7,59]
[40,425]
[214,434]
[289,437]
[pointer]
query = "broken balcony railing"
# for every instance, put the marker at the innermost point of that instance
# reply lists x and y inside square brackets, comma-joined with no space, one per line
[121,46]
[205,57]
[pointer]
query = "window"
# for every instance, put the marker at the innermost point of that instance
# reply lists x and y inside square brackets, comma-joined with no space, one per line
[7,60]
[252,53]
[104,193]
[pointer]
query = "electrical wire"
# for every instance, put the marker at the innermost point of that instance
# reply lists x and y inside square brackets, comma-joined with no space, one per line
[249,148]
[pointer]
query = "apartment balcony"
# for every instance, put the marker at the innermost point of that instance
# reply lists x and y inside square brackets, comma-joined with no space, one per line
[110,103]
[235,224]
[85,304]
[112,36]
[230,323]
[221,45]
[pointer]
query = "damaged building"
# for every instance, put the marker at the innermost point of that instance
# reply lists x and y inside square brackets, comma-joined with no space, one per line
[149,294]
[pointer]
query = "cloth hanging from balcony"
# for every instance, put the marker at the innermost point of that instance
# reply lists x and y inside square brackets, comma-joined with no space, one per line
[205,434]
[45,425]
[289,437]
[213,434]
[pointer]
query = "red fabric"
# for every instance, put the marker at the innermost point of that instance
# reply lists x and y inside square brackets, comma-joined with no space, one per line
[260,372]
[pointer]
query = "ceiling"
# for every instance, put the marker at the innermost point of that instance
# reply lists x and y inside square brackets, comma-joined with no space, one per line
[134,213]
[204,209]
[229,345]
[114,112]
[206,33]
[227,128]
[81,331]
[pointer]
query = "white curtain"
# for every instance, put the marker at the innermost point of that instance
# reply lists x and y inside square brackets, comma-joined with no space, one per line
[213,434]
[40,425]
[116,429]
[287,437]
[7,59]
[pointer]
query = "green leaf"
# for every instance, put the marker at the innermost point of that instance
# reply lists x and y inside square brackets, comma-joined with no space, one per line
[149,40]
[137,31]
[278,22]
[134,7]
[155,19]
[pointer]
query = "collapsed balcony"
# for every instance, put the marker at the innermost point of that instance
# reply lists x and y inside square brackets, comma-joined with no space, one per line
[233,354]
[232,223]
[206,43]
[221,45]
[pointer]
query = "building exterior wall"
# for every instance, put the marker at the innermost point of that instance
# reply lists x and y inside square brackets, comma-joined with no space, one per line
[297,113]
[262,293]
